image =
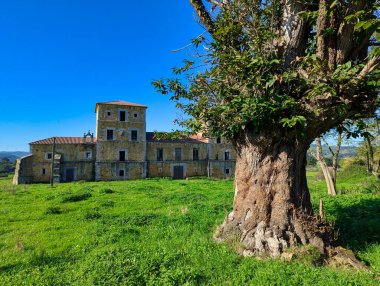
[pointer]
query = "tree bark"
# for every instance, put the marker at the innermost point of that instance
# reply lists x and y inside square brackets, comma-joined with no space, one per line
[203,15]
[370,158]
[336,159]
[294,31]
[272,209]
[330,182]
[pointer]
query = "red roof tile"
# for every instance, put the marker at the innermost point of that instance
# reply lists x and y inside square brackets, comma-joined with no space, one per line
[191,139]
[61,140]
[120,102]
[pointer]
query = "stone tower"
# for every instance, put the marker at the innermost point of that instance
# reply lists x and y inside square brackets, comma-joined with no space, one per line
[121,140]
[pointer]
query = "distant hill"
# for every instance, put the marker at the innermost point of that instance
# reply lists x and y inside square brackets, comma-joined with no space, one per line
[348,151]
[12,155]
[345,151]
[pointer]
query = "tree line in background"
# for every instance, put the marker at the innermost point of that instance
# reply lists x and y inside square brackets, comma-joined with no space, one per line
[6,166]
[364,135]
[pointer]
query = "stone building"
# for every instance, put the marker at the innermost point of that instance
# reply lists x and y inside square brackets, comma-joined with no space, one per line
[122,149]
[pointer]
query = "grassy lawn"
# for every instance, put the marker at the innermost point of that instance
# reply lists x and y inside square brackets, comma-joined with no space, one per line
[158,232]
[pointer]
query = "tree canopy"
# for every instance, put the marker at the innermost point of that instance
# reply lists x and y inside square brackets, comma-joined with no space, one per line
[298,66]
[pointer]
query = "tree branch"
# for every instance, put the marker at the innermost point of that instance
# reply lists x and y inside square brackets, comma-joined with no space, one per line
[321,27]
[188,45]
[328,146]
[203,15]
[345,36]
[220,4]
[293,31]
[368,68]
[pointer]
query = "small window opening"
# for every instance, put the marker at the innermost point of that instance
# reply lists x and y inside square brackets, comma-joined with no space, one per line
[218,140]
[134,135]
[178,154]
[227,171]
[121,173]
[226,155]
[121,155]
[109,134]
[160,154]
[195,154]
[122,115]
[43,171]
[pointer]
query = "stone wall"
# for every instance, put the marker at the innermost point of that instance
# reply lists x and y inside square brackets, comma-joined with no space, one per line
[73,156]
[114,171]
[23,172]
[110,164]
[166,169]
[222,169]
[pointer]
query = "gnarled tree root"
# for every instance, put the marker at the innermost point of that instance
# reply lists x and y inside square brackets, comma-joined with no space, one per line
[274,241]
[341,257]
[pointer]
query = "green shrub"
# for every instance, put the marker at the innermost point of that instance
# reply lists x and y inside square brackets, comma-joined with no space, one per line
[92,215]
[51,197]
[53,210]
[107,191]
[108,204]
[76,197]
[352,172]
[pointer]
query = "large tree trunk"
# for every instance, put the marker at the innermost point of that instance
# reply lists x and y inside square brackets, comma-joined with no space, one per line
[272,208]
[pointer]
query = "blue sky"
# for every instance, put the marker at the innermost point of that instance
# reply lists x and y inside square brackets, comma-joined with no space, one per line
[60,57]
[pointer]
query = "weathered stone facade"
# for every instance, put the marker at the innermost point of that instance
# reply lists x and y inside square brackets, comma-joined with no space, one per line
[121,150]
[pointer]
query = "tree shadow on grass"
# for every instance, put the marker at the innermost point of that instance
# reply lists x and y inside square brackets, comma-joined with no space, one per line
[358,224]
[38,260]
[9,267]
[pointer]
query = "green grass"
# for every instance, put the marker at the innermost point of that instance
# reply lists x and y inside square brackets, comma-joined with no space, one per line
[158,232]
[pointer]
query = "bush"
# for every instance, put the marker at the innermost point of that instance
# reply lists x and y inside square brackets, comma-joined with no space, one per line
[91,215]
[352,171]
[51,197]
[53,210]
[107,191]
[351,161]
[108,204]
[76,197]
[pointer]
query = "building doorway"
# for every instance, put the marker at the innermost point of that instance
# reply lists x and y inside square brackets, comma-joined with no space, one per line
[70,174]
[178,172]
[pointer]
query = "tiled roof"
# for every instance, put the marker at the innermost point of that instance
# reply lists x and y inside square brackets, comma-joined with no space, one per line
[61,140]
[121,102]
[149,138]
[190,139]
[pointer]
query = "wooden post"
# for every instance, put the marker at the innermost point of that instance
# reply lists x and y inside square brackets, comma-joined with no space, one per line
[52,165]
